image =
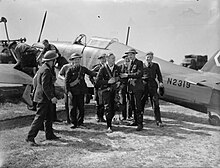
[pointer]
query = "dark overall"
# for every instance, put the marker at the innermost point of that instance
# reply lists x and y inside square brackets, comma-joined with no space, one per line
[136,89]
[150,88]
[43,94]
[127,100]
[107,91]
[78,91]
[99,107]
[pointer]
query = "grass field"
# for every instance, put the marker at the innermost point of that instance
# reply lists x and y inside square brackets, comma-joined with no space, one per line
[187,140]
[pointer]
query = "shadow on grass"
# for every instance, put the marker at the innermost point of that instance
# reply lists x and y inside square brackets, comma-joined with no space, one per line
[17,122]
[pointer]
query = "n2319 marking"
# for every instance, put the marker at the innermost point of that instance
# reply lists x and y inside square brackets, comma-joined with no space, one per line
[178,82]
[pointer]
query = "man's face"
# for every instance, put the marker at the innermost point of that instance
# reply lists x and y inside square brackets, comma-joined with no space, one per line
[127,60]
[46,44]
[111,59]
[149,58]
[77,61]
[102,60]
[131,56]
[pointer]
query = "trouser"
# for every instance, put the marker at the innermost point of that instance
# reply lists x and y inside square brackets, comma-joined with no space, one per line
[125,101]
[155,102]
[54,112]
[131,105]
[110,107]
[144,98]
[77,102]
[138,113]
[66,101]
[44,112]
[154,98]
[99,107]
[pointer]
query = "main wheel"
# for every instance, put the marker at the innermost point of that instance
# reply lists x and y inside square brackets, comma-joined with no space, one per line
[214,120]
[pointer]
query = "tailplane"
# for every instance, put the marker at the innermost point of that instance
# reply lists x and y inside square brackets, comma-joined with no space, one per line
[213,65]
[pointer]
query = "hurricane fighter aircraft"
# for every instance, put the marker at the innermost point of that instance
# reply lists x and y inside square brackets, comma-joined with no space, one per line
[197,90]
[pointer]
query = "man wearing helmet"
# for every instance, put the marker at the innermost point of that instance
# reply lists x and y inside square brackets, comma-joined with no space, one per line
[45,98]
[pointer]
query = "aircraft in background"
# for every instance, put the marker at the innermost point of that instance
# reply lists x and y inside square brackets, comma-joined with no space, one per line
[197,90]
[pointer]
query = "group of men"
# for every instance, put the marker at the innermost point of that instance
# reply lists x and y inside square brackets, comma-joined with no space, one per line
[135,82]
[114,85]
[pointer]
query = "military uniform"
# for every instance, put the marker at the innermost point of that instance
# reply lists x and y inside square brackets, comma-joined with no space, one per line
[50,47]
[43,95]
[76,75]
[99,107]
[151,72]
[108,91]
[60,60]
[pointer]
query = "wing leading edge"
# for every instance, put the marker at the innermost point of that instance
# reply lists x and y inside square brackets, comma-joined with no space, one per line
[10,75]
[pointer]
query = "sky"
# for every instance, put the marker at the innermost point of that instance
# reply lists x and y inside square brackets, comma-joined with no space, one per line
[169,28]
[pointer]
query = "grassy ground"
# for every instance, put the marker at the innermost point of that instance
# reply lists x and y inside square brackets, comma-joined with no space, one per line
[187,140]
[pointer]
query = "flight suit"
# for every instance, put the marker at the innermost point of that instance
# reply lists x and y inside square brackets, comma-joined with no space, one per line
[136,88]
[50,47]
[151,72]
[44,92]
[26,56]
[99,107]
[109,91]
[78,90]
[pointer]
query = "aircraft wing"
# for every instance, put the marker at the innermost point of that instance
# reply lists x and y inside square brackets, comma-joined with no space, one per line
[205,79]
[10,75]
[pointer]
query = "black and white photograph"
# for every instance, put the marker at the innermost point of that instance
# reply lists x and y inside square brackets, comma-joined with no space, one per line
[109,83]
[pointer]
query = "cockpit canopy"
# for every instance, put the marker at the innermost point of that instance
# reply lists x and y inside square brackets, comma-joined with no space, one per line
[101,43]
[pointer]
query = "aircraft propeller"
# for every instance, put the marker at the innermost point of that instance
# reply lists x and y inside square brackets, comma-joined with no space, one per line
[42,27]
[3,19]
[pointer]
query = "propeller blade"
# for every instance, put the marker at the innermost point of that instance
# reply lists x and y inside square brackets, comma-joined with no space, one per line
[45,15]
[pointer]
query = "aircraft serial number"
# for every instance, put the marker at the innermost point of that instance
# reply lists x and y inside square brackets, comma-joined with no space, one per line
[178,82]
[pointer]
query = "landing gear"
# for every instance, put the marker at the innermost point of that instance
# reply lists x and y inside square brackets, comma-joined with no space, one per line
[214,119]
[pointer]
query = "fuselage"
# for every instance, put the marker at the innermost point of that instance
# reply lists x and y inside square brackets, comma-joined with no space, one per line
[177,89]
